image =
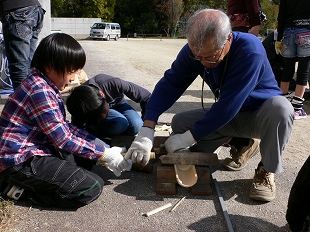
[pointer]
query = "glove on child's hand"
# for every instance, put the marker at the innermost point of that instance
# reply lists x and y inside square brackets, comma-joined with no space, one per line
[113,160]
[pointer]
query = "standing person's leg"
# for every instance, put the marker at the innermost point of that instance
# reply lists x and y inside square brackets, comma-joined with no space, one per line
[134,119]
[301,85]
[53,181]
[287,75]
[303,51]
[289,53]
[18,31]
[36,31]
[302,75]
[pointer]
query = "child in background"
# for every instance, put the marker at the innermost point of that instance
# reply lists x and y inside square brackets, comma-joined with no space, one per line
[293,43]
[42,156]
[122,119]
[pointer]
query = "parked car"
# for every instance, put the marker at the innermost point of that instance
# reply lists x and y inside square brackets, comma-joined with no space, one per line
[105,31]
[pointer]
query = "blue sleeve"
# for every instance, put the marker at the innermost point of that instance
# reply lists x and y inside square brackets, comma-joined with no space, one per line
[172,85]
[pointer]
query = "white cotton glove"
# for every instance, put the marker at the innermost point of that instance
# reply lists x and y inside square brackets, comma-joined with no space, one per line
[179,141]
[113,160]
[140,149]
[278,47]
[100,143]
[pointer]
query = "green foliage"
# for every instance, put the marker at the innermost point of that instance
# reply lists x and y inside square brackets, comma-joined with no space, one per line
[56,7]
[146,23]
[136,16]
[150,16]
[271,11]
[103,9]
[99,8]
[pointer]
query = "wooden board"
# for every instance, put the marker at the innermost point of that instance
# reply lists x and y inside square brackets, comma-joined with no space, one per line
[196,158]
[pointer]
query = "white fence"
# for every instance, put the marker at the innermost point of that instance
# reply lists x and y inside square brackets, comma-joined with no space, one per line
[76,27]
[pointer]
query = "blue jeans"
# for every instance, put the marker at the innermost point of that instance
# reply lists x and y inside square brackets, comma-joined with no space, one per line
[296,42]
[21,29]
[122,120]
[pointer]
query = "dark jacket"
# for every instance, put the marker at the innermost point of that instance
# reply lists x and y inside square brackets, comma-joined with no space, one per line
[115,90]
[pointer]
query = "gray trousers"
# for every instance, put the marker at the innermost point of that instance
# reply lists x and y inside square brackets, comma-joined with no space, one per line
[271,123]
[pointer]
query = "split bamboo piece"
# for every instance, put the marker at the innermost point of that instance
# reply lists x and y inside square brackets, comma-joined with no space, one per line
[158,209]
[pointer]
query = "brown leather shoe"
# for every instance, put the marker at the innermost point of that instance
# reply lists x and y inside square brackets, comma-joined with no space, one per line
[240,157]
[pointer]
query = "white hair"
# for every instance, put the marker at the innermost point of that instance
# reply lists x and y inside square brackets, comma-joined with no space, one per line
[208,25]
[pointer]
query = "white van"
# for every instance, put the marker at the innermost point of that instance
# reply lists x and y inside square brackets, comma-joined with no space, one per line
[105,31]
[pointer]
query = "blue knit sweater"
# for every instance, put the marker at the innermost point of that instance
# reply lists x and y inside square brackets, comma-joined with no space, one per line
[248,82]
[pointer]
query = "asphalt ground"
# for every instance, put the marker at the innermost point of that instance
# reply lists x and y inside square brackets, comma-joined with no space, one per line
[125,199]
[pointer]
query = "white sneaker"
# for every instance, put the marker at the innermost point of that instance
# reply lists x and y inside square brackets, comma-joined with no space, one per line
[15,192]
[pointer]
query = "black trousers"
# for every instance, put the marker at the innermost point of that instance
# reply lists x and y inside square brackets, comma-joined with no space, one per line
[299,202]
[63,180]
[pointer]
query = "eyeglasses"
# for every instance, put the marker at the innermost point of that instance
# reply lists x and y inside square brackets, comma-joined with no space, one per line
[203,59]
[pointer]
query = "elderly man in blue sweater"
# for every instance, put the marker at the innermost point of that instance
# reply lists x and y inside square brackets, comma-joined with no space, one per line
[248,102]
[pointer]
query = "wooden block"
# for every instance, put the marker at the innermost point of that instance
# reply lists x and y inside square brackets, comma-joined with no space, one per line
[166,180]
[204,174]
[139,168]
[166,174]
[196,158]
[158,140]
[166,188]
[201,188]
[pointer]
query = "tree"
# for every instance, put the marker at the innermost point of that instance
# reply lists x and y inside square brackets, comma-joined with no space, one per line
[103,9]
[169,13]
[56,7]
[136,16]
[271,10]
[146,23]
[150,16]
